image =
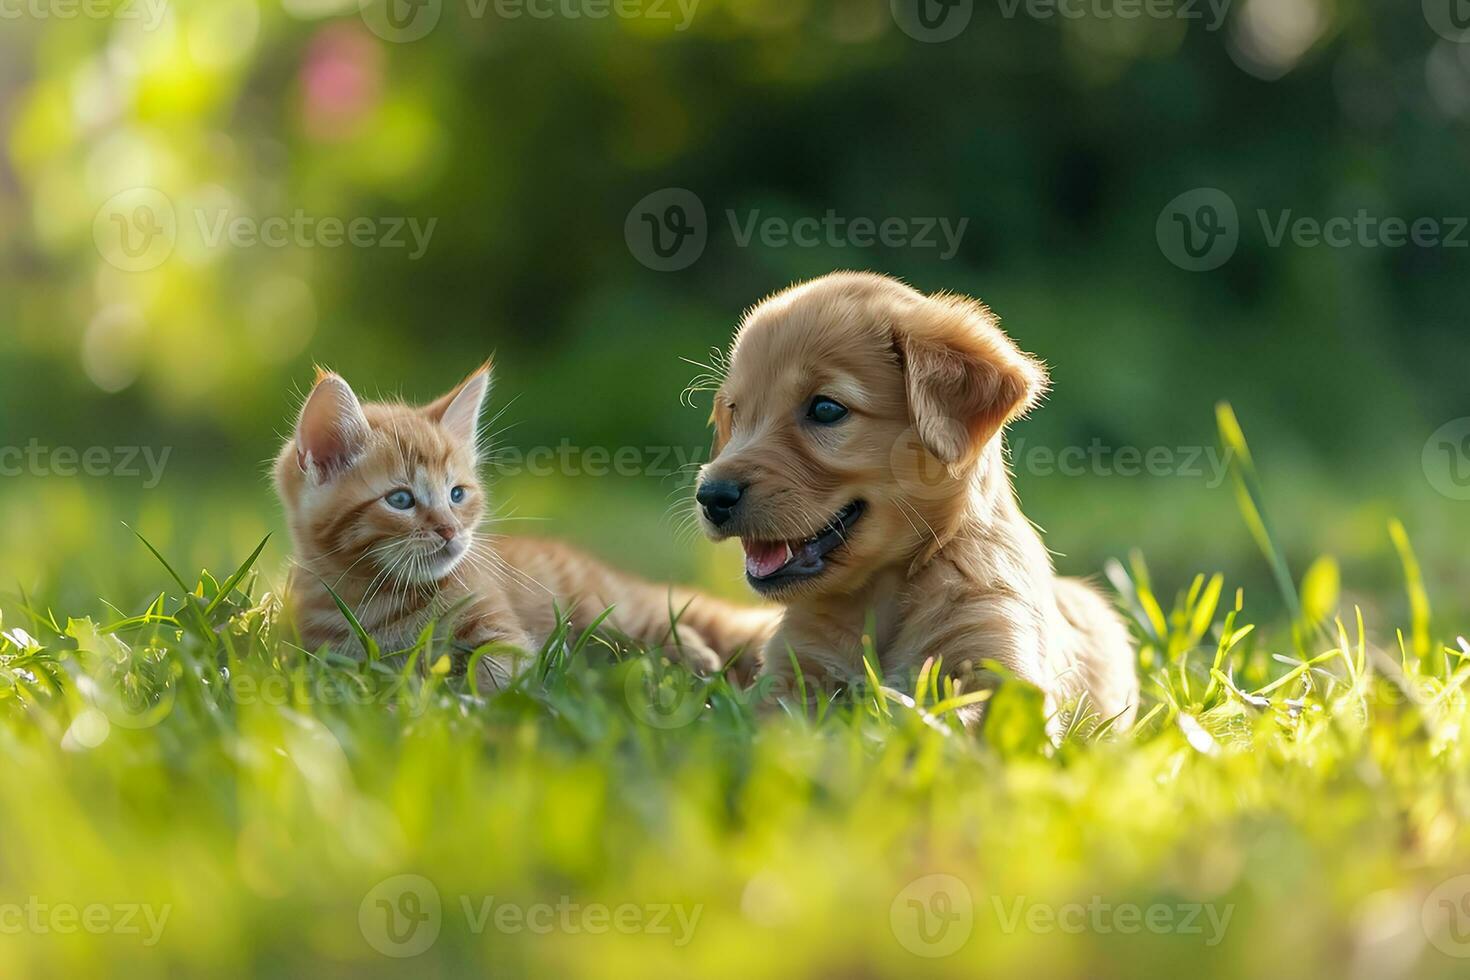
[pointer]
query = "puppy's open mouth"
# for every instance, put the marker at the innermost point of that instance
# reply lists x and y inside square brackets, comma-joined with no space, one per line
[772,564]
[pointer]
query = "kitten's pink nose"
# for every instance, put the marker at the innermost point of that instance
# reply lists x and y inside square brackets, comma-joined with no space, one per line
[445,531]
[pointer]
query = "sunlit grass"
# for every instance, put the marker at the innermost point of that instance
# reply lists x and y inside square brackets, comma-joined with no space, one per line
[1290,799]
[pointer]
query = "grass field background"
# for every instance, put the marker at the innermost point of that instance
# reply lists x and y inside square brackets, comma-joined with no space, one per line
[189,793]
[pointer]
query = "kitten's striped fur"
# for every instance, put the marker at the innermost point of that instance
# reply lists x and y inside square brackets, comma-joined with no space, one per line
[399,568]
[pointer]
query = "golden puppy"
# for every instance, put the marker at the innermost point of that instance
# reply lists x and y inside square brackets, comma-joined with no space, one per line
[858,457]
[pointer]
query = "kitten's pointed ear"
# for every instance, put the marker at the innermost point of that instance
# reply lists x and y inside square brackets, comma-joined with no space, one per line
[459,411]
[332,430]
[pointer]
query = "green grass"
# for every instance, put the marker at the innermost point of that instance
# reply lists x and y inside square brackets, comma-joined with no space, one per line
[1289,803]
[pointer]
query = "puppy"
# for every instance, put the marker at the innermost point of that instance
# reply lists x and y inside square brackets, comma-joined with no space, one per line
[858,457]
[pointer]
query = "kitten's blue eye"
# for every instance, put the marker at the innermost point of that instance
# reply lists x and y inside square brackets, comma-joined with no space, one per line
[825,411]
[456,496]
[400,500]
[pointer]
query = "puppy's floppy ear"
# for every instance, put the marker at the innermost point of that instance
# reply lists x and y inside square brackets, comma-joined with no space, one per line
[965,378]
[459,410]
[332,429]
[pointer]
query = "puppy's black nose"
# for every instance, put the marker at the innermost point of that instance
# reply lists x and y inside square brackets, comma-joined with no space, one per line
[718,498]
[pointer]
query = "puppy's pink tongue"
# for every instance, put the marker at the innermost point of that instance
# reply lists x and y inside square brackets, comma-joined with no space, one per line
[764,558]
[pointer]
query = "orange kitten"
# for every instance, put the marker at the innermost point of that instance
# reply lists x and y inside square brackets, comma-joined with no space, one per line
[384,504]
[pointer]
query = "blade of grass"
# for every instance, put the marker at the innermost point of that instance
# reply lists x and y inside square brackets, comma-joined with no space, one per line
[187,592]
[1251,500]
[234,580]
[1419,613]
[368,646]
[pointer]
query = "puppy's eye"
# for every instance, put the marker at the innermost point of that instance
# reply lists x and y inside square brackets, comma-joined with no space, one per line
[456,496]
[825,411]
[400,500]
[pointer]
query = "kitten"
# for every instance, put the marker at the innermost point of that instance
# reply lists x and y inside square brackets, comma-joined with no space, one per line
[384,504]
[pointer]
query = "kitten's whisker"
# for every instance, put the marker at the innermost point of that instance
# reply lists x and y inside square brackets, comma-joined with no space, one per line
[369,553]
[523,576]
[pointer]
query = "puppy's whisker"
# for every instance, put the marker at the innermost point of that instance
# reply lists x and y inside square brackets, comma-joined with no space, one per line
[906,508]
[904,511]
